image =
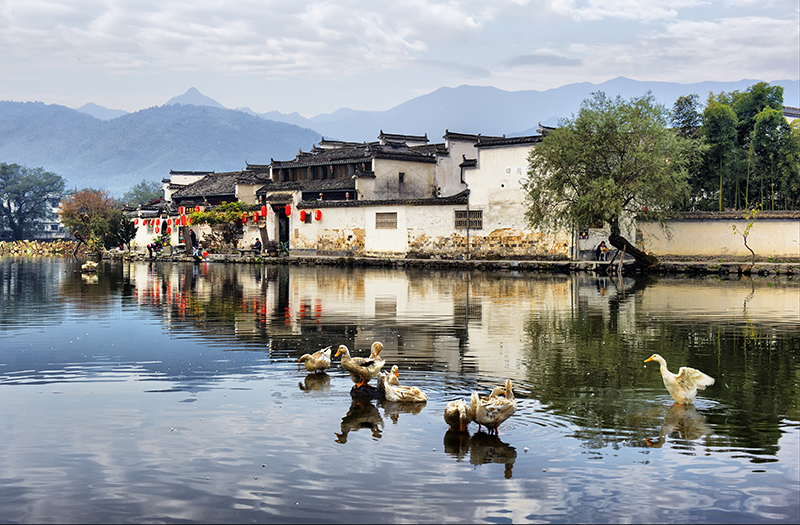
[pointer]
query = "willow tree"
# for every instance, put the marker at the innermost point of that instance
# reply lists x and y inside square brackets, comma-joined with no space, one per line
[617,159]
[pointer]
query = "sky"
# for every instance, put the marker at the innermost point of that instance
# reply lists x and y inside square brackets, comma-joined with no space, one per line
[317,56]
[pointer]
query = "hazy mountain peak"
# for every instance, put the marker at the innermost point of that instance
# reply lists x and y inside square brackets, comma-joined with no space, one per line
[101,112]
[195,98]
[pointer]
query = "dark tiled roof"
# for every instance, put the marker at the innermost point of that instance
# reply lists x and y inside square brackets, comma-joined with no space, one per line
[467,136]
[789,111]
[728,215]
[308,185]
[352,154]
[279,197]
[179,172]
[212,184]
[460,198]
[510,141]
[395,137]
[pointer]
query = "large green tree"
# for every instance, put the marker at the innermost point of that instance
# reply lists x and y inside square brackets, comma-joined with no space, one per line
[142,193]
[26,196]
[753,154]
[615,160]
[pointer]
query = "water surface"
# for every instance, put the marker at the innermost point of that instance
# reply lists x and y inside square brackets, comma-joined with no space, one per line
[153,392]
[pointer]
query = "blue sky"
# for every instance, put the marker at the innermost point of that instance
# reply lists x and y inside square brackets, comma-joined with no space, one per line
[314,56]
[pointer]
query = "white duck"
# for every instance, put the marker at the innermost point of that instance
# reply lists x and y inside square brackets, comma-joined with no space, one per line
[684,385]
[395,393]
[319,361]
[458,414]
[493,410]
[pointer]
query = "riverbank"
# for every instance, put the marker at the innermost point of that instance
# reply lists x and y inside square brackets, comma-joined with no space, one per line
[677,265]
[717,266]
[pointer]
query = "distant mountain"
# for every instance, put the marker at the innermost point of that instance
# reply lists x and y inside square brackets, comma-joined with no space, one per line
[492,111]
[194,97]
[91,148]
[101,112]
[147,144]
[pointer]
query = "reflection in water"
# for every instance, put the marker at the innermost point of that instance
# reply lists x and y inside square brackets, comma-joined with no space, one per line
[392,410]
[100,374]
[362,414]
[685,420]
[482,448]
[316,381]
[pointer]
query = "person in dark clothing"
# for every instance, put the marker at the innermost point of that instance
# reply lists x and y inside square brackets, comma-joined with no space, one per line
[601,253]
[257,246]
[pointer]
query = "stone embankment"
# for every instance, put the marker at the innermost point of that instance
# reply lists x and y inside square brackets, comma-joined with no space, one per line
[691,267]
[790,268]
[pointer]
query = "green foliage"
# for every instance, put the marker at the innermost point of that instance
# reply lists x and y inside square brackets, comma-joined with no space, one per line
[616,158]
[142,193]
[753,154]
[225,220]
[750,216]
[26,196]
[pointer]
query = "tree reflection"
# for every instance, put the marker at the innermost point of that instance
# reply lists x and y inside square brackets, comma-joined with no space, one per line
[587,364]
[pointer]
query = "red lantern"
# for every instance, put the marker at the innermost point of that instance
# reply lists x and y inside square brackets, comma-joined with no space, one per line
[156,229]
[183,220]
[169,222]
[169,229]
[318,215]
[188,221]
[180,210]
[302,215]
[136,222]
[288,209]
[244,218]
[255,216]
[263,211]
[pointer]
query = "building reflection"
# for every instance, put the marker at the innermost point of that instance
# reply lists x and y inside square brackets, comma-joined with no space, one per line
[567,339]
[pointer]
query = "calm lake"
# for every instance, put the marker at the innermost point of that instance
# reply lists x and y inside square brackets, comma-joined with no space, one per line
[172,393]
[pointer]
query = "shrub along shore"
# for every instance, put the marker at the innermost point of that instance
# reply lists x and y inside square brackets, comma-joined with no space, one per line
[721,266]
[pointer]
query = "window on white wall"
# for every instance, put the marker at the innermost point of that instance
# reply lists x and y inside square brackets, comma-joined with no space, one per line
[475,219]
[386,221]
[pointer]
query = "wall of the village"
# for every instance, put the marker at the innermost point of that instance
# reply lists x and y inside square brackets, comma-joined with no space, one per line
[496,190]
[417,180]
[448,172]
[712,238]
[339,231]
[246,193]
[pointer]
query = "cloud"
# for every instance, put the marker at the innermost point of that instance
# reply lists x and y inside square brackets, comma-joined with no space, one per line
[542,60]
[270,37]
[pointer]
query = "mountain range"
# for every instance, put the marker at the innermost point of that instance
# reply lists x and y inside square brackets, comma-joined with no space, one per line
[97,147]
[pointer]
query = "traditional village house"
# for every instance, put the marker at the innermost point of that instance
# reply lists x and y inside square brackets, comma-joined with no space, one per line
[401,196]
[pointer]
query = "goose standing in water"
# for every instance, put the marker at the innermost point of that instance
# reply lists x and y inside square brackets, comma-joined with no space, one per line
[684,385]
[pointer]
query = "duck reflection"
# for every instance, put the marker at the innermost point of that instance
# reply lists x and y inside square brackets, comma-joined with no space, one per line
[482,448]
[316,382]
[362,414]
[392,410]
[683,419]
